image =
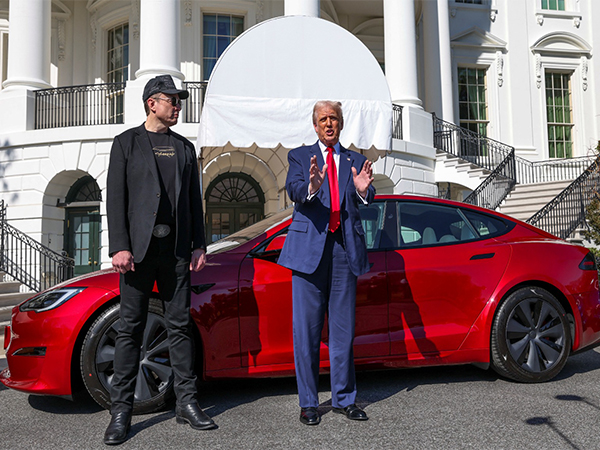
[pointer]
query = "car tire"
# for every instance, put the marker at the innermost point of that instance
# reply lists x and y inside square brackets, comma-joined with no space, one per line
[154,383]
[530,339]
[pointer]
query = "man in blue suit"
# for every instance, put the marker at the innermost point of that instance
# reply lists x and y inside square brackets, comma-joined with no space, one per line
[326,251]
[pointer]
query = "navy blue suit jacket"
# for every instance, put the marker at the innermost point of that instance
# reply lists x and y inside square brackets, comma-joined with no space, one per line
[305,240]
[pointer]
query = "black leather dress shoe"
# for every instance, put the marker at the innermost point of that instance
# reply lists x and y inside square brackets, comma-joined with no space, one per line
[310,416]
[193,414]
[117,430]
[352,412]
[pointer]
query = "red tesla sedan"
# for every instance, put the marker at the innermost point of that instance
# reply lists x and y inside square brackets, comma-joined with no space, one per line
[449,284]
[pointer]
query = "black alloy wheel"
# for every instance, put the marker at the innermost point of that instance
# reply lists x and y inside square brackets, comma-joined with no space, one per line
[154,383]
[530,339]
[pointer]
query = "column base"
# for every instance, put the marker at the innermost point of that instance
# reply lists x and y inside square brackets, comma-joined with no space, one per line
[17,110]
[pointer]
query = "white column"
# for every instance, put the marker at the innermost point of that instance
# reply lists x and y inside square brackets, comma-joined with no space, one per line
[401,51]
[310,8]
[438,59]
[160,23]
[28,45]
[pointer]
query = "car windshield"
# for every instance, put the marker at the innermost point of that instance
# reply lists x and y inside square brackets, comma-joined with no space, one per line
[241,237]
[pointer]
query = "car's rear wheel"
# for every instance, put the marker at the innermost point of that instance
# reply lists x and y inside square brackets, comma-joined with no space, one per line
[154,383]
[531,338]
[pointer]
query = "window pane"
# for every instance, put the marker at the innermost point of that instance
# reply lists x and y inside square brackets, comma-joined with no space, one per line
[223,25]
[559,114]
[238,25]
[210,24]
[210,46]
[222,43]
[472,100]
[219,30]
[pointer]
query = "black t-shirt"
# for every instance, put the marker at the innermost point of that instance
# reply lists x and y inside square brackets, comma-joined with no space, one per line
[166,163]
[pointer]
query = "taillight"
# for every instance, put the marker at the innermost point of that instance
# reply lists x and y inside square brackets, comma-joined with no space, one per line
[588,263]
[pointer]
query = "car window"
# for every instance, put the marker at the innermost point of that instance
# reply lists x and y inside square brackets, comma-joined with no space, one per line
[379,222]
[246,234]
[371,217]
[487,226]
[425,224]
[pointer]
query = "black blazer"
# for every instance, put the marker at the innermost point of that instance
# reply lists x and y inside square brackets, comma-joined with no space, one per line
[133,195]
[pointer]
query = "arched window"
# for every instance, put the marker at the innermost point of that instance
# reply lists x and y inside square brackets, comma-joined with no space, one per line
[84,190]
[233,201]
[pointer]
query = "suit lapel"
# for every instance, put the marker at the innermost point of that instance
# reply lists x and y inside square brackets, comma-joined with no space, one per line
[180,163]
[145,147]
[323,193]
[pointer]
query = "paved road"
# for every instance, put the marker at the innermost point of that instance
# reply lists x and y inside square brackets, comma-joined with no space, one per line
[433,408]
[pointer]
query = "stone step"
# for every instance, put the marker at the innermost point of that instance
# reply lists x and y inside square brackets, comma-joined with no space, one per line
[8,287]
[5,312]
[14,298]
[554,185]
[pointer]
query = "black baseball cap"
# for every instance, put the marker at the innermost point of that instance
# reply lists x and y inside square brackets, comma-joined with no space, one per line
[165,85]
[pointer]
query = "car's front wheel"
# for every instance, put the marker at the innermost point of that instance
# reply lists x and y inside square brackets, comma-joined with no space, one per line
[154,383]
[531,338]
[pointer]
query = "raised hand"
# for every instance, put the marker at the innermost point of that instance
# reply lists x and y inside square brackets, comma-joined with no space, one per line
[363,180]
[316,176]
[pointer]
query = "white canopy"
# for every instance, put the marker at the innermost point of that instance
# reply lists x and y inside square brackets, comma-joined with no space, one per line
[263,88]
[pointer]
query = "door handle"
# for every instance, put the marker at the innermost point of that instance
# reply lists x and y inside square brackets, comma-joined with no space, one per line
[482,256]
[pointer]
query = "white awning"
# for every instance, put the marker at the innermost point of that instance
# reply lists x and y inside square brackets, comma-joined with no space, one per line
[264,86]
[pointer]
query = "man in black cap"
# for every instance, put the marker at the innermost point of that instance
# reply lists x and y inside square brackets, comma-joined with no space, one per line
[156,234]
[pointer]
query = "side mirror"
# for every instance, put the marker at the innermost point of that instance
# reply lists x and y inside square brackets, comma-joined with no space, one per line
[276,244]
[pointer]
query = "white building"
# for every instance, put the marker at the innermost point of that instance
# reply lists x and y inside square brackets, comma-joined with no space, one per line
[521,72]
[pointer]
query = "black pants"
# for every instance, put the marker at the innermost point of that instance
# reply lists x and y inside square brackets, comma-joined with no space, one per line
[172,276]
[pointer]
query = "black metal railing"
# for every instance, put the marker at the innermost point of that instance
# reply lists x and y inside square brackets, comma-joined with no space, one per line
[483,152]
[193,104]
[397,122]
[530,172]
[74,106]
[494,189]
[468,145]
[566,211]
[29,262]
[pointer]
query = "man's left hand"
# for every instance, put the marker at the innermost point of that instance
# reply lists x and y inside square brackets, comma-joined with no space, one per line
[198,260]
[363,180]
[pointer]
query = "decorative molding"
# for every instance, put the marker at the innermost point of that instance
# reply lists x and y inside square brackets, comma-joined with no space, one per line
[453,12]
[61,39]
[188,8]
[135,19]
[576,21]
[475,37]
[260,11]
[500,67]
[584,73]
[94,27]
[538,70]
[562,43]
[540,19]
[493,14]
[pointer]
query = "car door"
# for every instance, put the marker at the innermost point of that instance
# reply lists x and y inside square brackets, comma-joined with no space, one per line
[441,276]
[266,302]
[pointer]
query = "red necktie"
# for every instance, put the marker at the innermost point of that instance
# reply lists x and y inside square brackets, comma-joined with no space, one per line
[334,192]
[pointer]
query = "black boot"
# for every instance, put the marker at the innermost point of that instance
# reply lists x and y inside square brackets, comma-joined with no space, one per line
[117,430]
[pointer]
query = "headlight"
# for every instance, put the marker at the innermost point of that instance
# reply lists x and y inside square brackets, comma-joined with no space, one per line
[50,300]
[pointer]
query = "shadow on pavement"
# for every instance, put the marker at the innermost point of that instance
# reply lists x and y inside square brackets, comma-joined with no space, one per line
[82,403]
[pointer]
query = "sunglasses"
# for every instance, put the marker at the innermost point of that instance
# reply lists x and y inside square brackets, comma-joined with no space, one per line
[174,101]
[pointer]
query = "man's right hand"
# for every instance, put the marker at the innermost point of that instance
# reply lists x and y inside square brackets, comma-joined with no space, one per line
[316,176]
[123,261]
